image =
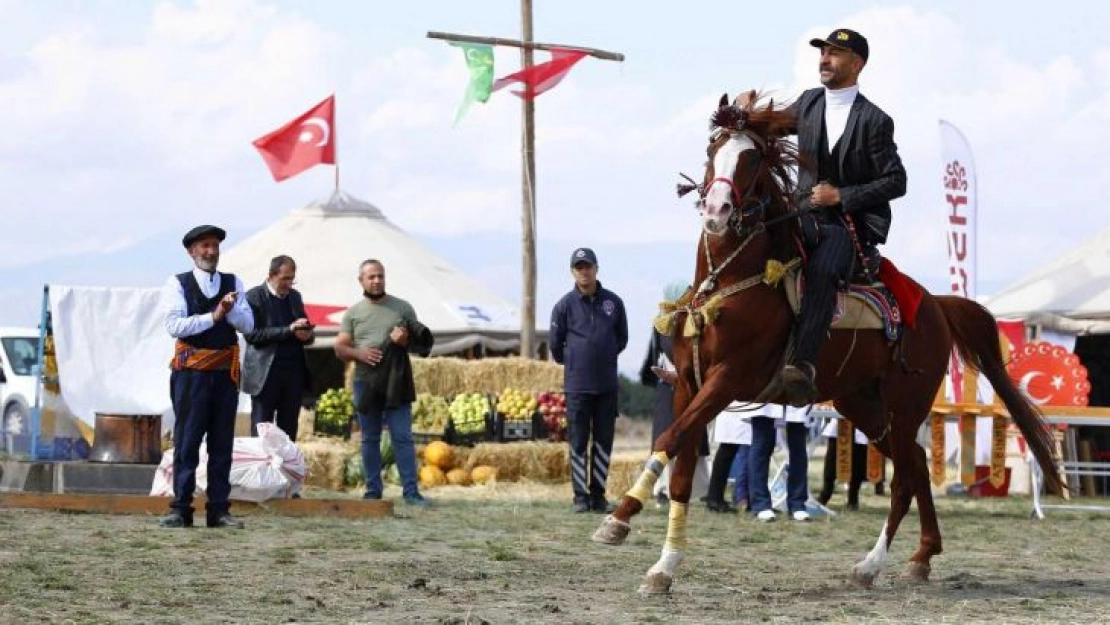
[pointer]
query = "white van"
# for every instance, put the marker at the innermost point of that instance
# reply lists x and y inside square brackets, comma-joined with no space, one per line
[19,351]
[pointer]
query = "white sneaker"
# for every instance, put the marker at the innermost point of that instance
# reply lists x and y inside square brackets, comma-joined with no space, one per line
[765,516]
[800,515]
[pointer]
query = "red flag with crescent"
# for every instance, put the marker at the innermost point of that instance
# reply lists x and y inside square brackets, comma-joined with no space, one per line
[306,141]
[542,77]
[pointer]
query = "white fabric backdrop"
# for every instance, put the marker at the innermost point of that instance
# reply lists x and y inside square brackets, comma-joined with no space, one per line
[113,352]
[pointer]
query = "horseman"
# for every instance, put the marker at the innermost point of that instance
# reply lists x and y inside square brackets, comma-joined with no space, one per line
[847,195]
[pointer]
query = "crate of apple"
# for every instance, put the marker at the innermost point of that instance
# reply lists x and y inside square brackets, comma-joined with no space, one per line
[553,408]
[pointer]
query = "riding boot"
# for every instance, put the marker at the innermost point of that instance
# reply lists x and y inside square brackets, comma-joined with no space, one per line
[799,379]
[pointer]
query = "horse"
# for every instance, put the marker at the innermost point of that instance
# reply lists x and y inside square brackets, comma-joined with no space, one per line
[733,334]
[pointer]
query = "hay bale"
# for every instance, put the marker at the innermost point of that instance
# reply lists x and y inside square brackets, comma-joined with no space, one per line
[493,375]
[450,376]
[440,376]
[306,424]
[526,460]
[624,470]
[327,461]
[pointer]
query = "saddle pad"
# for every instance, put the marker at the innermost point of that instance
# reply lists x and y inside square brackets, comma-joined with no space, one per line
[852,312]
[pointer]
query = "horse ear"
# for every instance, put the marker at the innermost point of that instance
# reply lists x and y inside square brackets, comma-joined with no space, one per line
[724,101]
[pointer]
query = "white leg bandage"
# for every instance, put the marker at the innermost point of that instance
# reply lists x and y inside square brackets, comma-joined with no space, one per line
[668,563]
[876,560]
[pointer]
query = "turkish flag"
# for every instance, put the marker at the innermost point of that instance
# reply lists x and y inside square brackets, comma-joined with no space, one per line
[542,77]
[302,143]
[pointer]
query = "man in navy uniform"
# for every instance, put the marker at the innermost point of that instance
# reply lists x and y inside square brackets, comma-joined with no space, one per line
[589,330]
[203,310]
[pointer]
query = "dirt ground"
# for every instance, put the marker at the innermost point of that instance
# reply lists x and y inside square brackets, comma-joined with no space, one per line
[514,553]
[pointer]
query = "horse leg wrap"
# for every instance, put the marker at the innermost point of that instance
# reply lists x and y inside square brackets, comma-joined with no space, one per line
[676,528]
[644,484]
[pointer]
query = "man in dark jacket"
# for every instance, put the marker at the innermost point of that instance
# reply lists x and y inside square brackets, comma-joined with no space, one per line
[858,172]
[275,372]
[377,334]
[589,330]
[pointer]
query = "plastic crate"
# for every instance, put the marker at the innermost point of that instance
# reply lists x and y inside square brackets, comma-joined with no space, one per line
[515,430]
[451,437]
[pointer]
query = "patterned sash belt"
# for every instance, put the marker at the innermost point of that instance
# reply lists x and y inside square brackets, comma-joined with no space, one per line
[186,356]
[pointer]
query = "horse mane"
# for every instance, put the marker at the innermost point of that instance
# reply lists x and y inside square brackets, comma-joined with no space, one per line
[770,123]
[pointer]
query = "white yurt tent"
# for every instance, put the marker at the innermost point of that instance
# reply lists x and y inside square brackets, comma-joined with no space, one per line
[328,240]
[1069,296]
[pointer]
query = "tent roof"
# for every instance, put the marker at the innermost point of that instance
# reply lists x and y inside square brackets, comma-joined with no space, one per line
[1069,295]
[328,240]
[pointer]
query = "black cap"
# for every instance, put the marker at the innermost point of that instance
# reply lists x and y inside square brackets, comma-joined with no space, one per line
[846,39]
[200,232]
[583,255]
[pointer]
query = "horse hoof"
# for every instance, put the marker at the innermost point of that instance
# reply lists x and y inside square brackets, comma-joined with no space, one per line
[656,584]
[863,579]
[917,572]
[611,531]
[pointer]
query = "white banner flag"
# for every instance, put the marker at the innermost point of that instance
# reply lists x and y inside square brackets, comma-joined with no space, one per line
[960,204]
[961,211]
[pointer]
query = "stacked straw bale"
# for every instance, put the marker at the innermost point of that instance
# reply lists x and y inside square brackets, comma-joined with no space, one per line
[327,460]
[535,461]
[450,376]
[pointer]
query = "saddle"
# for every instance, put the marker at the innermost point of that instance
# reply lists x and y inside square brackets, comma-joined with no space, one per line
[865,306]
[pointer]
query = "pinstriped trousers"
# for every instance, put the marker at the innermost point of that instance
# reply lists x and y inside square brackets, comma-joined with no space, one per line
[590,415]
[829,264]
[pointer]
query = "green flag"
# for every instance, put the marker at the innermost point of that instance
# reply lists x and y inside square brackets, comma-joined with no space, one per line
[479,60]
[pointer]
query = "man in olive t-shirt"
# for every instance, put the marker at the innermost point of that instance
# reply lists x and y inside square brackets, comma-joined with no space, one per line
[374,330]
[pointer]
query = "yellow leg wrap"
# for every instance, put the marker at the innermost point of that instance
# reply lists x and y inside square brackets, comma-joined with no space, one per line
[646,482]
[676,527]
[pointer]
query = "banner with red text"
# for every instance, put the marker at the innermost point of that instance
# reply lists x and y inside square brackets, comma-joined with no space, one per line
[960,212]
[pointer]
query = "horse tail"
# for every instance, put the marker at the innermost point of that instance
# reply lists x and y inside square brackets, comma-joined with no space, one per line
[975,334]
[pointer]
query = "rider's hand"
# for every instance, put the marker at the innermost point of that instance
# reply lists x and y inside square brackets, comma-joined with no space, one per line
[824,194]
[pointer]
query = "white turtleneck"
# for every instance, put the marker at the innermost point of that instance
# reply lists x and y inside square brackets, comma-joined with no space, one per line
[838,103]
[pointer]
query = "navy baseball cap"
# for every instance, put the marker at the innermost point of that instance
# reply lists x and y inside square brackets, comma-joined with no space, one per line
[200,232]
[583,255]
[845,39]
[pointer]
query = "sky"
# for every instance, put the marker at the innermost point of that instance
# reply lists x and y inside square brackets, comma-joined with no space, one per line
[127,123]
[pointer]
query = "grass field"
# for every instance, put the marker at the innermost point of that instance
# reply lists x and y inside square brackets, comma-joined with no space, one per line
[516,554]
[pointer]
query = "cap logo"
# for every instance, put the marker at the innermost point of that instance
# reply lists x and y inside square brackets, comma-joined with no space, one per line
[842,36]
[580,254]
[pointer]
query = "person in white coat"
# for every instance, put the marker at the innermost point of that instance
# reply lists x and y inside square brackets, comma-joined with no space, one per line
[763,422]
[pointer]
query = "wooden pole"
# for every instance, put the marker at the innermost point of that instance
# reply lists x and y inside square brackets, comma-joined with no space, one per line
[528,192]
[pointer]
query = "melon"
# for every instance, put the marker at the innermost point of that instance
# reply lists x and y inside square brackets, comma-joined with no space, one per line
[431,476]
[458,477]
[439,454]
[483,474]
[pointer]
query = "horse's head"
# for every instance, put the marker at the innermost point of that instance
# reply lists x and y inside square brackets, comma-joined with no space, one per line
[746,174]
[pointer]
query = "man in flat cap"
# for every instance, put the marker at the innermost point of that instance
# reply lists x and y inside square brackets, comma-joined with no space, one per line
[203,310]
[857,173]
[589,329]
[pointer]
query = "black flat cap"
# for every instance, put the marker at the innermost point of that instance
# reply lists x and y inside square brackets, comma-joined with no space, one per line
[200,232]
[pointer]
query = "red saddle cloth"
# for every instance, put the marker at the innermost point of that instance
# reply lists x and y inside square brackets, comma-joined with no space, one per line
[905,291]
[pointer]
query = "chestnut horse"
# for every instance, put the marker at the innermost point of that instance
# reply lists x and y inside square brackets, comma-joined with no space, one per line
[733,333]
